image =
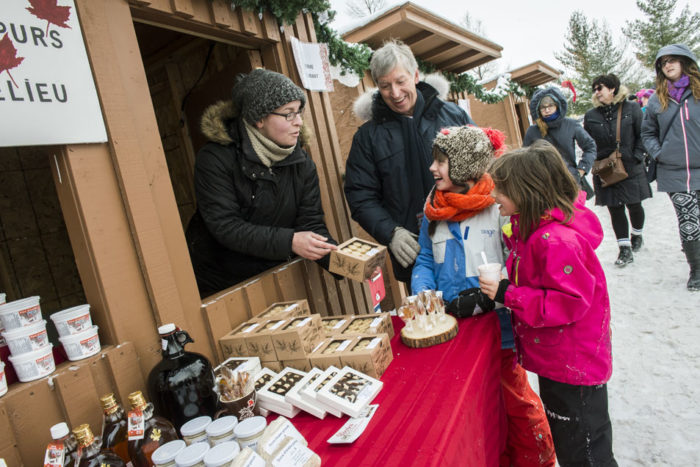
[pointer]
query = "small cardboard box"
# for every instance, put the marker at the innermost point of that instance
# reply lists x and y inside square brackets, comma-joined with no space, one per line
[328,352]
[357,259]
[272,395]
[370,354]
[290,309]
[260,343]
[334,325]
[373,323]
[246,340]
[297,337]
[309,391]
[233,344]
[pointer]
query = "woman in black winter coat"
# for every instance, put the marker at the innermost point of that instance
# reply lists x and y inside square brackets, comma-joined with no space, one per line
[601,123]
[258,195]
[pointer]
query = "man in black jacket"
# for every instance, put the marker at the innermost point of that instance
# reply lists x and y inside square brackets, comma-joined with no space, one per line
[258,195]
[386,176]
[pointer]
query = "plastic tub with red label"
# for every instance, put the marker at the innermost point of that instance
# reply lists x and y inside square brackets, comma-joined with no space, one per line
[20,313]
[72,320]
[81,345]
[27,338]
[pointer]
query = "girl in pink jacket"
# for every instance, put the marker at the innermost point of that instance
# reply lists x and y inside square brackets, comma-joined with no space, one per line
[559,299]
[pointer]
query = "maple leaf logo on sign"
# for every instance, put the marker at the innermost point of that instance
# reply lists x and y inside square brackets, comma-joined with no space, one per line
[8,57]
[51,12]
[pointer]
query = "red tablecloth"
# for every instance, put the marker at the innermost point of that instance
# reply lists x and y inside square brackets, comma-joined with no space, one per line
[440,405]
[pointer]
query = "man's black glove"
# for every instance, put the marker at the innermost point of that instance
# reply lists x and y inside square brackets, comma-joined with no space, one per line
[464,305]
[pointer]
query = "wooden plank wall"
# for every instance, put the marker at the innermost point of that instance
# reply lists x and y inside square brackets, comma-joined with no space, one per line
[71,394]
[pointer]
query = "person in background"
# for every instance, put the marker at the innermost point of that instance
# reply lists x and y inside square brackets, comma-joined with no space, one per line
[386,175]
[601,123]
[671,135]
[643,96]
[461,221]
[548,109]
[557,293]
[257,190]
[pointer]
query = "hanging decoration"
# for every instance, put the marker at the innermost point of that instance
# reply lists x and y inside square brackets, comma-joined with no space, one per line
[354,58]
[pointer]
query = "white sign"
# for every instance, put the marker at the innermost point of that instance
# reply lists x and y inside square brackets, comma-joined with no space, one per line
[313,65]
[47,95]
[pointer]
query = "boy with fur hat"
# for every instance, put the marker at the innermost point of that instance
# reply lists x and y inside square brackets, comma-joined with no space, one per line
[462,220]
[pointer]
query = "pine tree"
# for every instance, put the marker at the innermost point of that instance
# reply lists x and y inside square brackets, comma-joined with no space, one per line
[661,29]
[591,51]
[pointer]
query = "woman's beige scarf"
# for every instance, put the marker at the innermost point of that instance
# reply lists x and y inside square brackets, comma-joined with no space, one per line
[267,150]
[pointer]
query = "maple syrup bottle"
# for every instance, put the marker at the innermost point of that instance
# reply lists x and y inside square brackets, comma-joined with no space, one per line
[90,450]
[181,385]
[62,450]
[115,436]
[147,432]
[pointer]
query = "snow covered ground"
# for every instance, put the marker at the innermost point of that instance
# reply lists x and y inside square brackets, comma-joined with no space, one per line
[654,392]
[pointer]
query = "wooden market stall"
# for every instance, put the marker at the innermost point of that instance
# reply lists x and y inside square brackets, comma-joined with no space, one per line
[104,223]
[512,114]
[433,39]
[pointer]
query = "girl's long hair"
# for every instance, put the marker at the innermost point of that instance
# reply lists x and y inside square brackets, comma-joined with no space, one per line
[690,69]
[536,179]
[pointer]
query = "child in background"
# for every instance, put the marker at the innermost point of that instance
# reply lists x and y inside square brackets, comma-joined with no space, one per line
[558,296]
[461,220]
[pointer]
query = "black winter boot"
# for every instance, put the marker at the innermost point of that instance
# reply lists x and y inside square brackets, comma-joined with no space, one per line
[692,254]
[637,242]
[625,257]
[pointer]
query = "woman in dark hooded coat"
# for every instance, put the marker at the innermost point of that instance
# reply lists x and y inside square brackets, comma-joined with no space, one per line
[601,123]
[548,110]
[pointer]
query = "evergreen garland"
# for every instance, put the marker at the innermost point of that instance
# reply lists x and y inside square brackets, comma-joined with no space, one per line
[355,57]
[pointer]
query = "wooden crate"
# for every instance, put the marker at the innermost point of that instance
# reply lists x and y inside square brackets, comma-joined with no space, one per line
[70,394]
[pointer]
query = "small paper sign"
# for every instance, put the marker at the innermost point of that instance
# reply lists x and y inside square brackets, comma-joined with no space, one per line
[313,65]
[353,428]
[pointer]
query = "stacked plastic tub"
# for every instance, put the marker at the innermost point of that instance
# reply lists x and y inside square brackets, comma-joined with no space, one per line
[76,332]
[25,334]
[3,377]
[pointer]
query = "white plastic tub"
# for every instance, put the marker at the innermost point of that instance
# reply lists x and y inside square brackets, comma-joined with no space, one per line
[33,365]
[81,345]
[20,313]
[27,338]
[72,320]
[3,379]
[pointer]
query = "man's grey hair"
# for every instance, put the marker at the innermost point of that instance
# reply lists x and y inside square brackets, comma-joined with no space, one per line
[392,54]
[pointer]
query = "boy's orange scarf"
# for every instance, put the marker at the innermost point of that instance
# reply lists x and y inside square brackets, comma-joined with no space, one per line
[448,206]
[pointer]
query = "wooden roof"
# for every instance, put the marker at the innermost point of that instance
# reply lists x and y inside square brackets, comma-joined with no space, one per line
[534,74]
[431,38]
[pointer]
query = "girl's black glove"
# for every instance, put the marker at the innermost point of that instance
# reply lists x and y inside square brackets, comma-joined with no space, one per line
[464,305]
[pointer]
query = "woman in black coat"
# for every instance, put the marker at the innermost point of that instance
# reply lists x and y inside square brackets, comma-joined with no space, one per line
[258,195]
[601,123]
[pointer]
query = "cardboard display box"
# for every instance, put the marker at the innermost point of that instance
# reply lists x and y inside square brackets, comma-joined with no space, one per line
[371,354]
[357,259]
[290,309]
[373,323]
[328,352]
[296,337]
[350,391]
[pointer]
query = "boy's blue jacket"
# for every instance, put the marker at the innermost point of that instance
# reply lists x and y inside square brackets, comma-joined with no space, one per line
[449,260]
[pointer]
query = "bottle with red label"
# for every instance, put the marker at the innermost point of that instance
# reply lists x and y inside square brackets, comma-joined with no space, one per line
[147,432]
[114,427]
[90,452]
[61,450]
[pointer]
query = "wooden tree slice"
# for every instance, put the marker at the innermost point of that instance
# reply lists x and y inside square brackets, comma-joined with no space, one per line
[442,332]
